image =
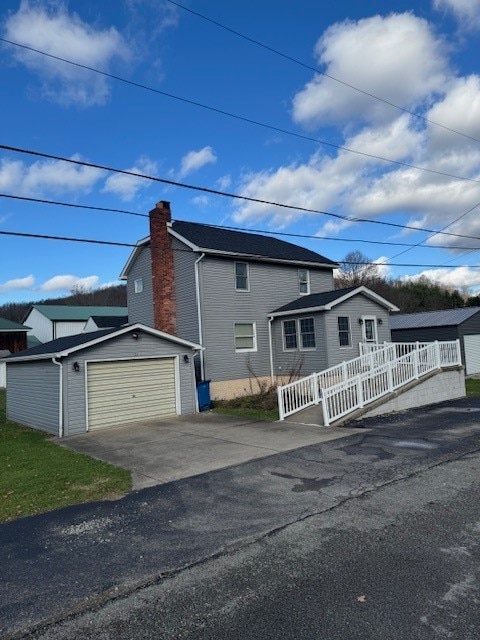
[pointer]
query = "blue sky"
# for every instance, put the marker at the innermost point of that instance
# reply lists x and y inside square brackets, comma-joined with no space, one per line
[421,56]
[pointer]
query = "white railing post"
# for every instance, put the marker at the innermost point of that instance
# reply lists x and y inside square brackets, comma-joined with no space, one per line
[316,395]
[281,411]
[344,370]
[438,356]
[360,391]
[326,417]
[415,361]
[389,376]
[459,351]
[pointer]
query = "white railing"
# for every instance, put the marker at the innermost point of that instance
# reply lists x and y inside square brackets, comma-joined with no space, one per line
[3,375]
[380,370]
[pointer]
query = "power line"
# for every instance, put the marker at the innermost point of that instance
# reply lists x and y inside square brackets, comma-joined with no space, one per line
[257,123]
[227,194]
[230,228]
[319,71]
[132,245]
[66,238]
[71,204]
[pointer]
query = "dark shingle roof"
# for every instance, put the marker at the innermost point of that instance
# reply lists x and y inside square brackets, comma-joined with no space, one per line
[247,244]
[61,344]
[314,300]
[9,325]
[107,322]
[444,318]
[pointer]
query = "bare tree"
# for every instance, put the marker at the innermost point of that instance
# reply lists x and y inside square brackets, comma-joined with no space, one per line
[357,270]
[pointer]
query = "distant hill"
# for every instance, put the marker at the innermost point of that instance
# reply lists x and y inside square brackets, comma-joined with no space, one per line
[109,297]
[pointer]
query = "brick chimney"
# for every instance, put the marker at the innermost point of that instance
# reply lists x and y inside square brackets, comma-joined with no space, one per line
[163,276]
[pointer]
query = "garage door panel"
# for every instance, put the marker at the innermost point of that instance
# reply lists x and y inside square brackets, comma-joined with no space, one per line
[472,354]
[129,391]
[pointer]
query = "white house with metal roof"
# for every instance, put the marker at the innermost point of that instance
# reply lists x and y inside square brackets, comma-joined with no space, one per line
[48,322]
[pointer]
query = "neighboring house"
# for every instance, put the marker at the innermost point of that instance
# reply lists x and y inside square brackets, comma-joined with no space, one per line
[101,379]
[448,324]
[262,308]
[13,338]
[94,323]
[49,322]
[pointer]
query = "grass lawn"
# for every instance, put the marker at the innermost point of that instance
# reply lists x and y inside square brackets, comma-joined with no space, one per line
[473,387]
[247,412]
[37,475]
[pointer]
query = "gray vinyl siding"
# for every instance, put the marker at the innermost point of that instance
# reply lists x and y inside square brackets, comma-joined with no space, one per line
[271,286]
[354,308]
[287,363]
[121,348]
[140,305]
[185,294]
[33,394]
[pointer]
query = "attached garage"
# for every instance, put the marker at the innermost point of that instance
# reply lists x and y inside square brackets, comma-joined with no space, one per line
[101,380]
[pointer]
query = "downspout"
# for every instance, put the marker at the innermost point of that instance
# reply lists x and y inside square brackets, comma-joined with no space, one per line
[199,315]
[270,345]
[60,398]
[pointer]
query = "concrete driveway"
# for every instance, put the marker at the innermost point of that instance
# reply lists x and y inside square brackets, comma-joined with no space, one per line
[190,445]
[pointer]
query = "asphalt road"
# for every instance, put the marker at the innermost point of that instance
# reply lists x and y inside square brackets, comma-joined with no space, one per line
[370,536]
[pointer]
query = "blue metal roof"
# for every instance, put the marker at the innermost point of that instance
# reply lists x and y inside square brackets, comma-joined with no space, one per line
[442,318]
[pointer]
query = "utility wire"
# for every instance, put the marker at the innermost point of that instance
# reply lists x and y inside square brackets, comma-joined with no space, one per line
[257,123]
[130,244]
[71,204]
[227,194]
[242,229]
[317,70]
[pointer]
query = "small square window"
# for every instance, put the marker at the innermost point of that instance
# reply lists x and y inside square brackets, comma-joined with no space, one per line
[344,331]
[304,281]
[138,285]
[245,336]
[241,276]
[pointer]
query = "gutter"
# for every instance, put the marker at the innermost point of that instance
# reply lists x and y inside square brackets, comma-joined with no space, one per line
[270,345]
[199,316]
[60,398]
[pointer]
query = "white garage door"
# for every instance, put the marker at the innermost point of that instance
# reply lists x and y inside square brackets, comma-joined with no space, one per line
[130,391]
[472,353]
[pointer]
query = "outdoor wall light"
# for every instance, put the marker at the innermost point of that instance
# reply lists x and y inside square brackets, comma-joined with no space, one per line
[186,359]
[360,321]
[135,336]
[76,367]
[380,321]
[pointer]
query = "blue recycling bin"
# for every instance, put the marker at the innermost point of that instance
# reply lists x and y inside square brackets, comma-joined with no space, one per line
[203,391]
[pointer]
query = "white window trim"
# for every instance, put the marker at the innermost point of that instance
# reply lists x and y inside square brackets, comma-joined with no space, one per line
[375,329]
[307,292]
[350,346]
[235,276]
[254,326]
[138,285]
[299,335]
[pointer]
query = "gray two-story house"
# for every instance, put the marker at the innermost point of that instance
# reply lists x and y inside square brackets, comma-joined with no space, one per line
[262,309]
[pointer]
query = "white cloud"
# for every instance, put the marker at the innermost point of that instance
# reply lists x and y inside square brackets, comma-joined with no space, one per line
[126,186]
[467,12]
[18,283]
[69,282]
[396,57]
[52,29]
[201,201]
[457,278]
[224,182]
[195,160]
[46,176]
